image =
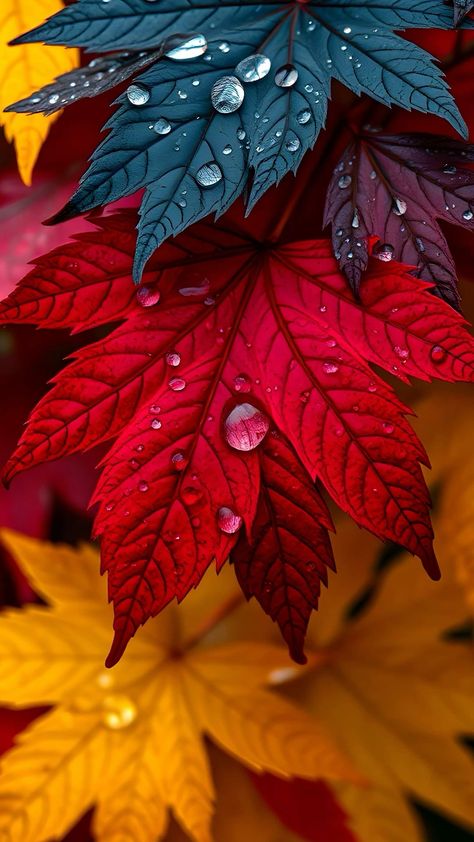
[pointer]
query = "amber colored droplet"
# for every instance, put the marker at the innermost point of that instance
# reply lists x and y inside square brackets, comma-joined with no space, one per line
[118,712]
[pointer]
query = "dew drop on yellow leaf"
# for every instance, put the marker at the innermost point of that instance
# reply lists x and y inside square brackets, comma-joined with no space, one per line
[25,69]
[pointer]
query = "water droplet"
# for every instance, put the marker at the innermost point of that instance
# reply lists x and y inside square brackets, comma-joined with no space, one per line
[118,712]
[438,354]
[173,359]
[241,134]
[245,427]
[148,297]
[449,169]
[242,383]
[253,68]
[330,367]
[304,117]
[227,94]
[53,99]
[209,174]
[399,207]
[355,219]
[293,144]
[224,47]
[227,150]
[384,252]
[403,353]
[179,461]
[162,126]
[388,427]
[228,521]
[138,94]
[286,76]
[177,384]
[468,215]
[191,495]
[155,424]
[344,181]
[143,486]
[193,48]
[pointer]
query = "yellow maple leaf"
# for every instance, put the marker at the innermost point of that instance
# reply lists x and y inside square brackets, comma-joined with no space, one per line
[398,693]
[446,423]
[25,69]
[130,740]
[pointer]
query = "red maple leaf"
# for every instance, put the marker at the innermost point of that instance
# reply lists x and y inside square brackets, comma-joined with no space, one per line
[239,375]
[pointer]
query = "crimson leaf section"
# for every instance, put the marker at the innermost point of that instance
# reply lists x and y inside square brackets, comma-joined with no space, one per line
[286,561]
[193,157]
[229,353]
[396,188]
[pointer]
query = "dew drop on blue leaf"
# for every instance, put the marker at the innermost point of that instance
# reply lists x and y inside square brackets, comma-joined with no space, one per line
[286,76]
[227,94]
[138,94]
[209,174]
[192,48]
[253,68]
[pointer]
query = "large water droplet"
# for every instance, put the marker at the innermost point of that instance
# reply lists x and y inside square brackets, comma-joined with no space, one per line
[209,174]
[286,76]
[399,206]
[118,712]
[177,384]
[138,94]
[384,252]
[228,521]
[468,215]
[304,117]
[344,181]
[162,126]
[147,297]
[227,94]
[253,68]
[192,48]
[293,144]
[173,359]
[245,427]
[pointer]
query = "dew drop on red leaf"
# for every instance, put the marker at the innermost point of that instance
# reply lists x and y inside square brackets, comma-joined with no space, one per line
[245,427]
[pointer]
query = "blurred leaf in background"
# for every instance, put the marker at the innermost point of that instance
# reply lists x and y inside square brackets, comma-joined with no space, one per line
[23,71]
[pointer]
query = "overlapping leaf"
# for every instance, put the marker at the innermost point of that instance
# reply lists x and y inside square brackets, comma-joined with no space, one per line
[130,742]
[398,693]
[26,69]
[461,9]
[348,40]
[397,187]
[229,340]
